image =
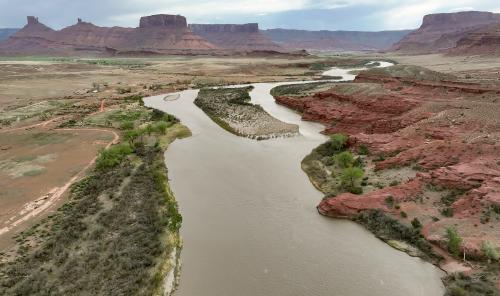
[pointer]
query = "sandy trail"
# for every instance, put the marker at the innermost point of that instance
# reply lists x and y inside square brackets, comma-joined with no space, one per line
[41,124]
[36,207]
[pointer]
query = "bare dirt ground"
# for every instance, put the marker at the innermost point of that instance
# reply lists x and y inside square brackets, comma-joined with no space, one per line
[471,68]
[36,168]
[39,160]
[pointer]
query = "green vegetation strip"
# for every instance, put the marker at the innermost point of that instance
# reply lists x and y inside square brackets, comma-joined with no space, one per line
[117,232]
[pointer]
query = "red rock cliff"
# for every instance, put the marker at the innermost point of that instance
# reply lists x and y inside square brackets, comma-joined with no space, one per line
[442,31]
[157,33]
[230,36]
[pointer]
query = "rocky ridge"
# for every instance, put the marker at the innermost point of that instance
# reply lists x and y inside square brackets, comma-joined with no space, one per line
[156,34]
[334,40]
[485,41]
[231,36]
[440,32]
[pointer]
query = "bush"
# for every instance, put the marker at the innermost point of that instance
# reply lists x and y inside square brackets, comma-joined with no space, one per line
[131,135]
[161,127]
[416,223]
[350,177]
[127,125]
[403,214]
[454,241]
[490,251]
[344,159]
[113,156]
[389,201]
[447,212]
[338,141]
[394,183]
[363,150]
[388,228]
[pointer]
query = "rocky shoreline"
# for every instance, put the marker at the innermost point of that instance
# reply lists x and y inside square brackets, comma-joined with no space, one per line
[428,146]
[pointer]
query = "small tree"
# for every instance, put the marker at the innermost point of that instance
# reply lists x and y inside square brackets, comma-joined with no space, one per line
[338,141]
[127,125]
[363,150]
[161,127]
[130,136]
[416,223]
[149,129]
[490,251]
[350,176]
[454,241]
[344,159]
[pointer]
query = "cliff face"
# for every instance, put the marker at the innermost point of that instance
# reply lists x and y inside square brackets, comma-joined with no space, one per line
[230,36]
[157,33]
[335,40]
[441,134]
[443,31]
[163,20]
[485,41]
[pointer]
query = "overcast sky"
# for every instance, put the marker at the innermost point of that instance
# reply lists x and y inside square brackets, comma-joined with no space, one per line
[370,15]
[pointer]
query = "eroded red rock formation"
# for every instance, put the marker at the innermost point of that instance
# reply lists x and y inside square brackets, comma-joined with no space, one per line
[334,40]
[485,41]
[230,36]
[445,130]
[442,31]
[157,33]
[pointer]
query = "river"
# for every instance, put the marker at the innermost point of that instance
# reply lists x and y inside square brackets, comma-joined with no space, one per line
[250,225]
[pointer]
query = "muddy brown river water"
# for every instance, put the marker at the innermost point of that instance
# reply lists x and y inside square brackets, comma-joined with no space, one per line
[250,225]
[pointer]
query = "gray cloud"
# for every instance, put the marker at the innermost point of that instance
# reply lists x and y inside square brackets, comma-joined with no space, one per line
[306,14]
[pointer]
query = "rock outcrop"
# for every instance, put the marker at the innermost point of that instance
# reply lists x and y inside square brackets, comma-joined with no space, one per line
[239,37]
[155,34]
[440,32]
[334,40]
[441,133]
[485,41]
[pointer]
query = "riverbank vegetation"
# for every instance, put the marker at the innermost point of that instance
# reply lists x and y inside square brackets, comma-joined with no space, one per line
[333,169]
[118,231]
[232,110]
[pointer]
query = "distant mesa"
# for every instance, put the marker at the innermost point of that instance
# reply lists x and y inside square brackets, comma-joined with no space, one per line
[159,34]
[163,20]
[335,40]
[442,32]
[231,36]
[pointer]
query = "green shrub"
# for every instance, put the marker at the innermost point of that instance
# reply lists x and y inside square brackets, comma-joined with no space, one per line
[127,125]
[403,214]
[447,212]
[344,159]
[338,141]
[350,177]
[454,241]
[389,201]
[113,156]
[131,135]
[416,223]
[490,251]
[161,127]
[388,228]
[394,183]
[363,150]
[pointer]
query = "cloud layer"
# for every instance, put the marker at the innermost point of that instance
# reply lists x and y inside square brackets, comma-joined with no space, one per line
[300,14]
